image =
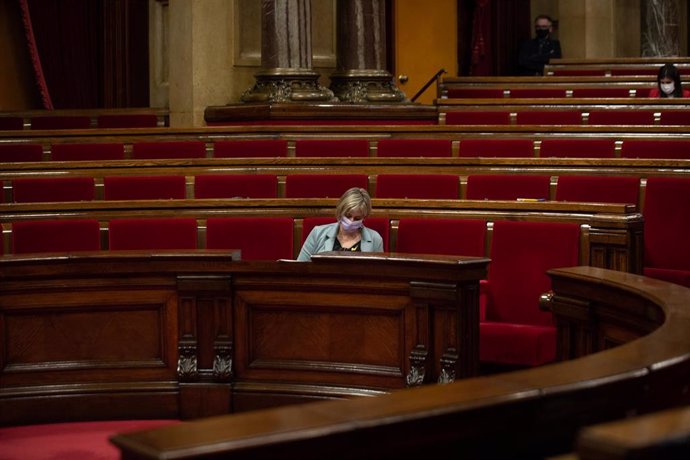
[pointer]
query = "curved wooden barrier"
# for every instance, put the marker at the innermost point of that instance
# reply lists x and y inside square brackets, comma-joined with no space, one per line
[525,414]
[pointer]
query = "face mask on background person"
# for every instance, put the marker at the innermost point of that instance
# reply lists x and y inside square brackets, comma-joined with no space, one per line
[542,33]
[350,225]
[668,88]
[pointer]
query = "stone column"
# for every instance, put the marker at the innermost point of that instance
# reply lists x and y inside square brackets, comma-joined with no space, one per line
[361,74]
[286,74]
[660,29]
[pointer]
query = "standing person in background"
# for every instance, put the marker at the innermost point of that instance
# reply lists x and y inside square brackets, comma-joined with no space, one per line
[668,83]
[535,53]
[348,232]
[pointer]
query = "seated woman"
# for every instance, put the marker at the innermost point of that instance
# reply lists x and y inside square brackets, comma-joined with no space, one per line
[668,83]
[348,232]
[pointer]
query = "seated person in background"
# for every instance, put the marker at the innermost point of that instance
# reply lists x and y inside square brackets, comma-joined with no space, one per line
[668,83]
[348,232]
[535,53]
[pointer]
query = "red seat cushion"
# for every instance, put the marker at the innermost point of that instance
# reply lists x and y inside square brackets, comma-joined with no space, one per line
[322,185]
[507,187]
[422,186]
[598,189]
[414,148]
[577,148]
[250,148]
[73,441]
[33,190]
[332,148]
[153,233]
[85,152]
[169,149]
[503,148]
[33,236]
[259,238]
[144,187]
[236,186]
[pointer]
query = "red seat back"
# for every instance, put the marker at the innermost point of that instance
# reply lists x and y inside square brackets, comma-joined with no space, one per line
[250,148]
[21,152]
[549,117]
[666,223]
[414,148]
[537,92]
[33,236]
[332,148]
[152,233]
[144,187]
[259,238]
[675,117]
[621,117]
[461,237]
[423,186]
[61,122]
[236,186]
[673,149]
[33,190]
[88,152]
[598,189]
[520,148]
[142,120]
[601,92]
[577,148]
[169,149]
[507,187]
[322,185]
[481,117]
[468,93]
[11,123]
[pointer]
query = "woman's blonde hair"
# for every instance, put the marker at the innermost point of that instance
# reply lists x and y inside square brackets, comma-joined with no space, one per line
[353,199]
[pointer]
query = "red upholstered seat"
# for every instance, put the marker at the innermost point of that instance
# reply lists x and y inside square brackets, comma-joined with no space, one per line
[675,117]
[537,92]
[332,148]
[32,236]
[598,189]
[250,148]
[673,149]
[577,148]
[621,117]
[465,93]
[142,120]
[666,224]
[259,238]
[578,72]
[153,233]
[521,148]
[549,117]
[414,148]
[322,185]
[380,224]
[33,190]
[85,152]
[483,117]
[515,331]
[21,152]
[236,186]
[73,441]
[168,149]
[460,237]
[627,71]
[423,186]
[61,122]
[601,92]
[144,187]
[507,187]
[11,123]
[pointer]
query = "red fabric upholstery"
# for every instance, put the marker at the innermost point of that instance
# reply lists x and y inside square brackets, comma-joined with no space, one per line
[549,117]
[60,122]
[169,149]
[85,152]
[259,238]
[21,152]
[507,187]
[33,190]
[577,148]
[675,117]
[675,149]
[666,223]
[681,277]
[621,117]
[143,120]
[73,441]
[464,93]
[521,148]
[322,185]
[380,224]
[466,117]
[578,72]
[250,148]
[153,233]
[460,237]
[144,187]
[626,71]
[537,92]
[32,236]
[332,148]
[424,186]
[236,186]
[601,92]
[598,189]
[516,331]
[11,123]
[414,148]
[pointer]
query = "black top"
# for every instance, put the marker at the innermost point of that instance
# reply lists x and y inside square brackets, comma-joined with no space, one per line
[535,53]
[354,247]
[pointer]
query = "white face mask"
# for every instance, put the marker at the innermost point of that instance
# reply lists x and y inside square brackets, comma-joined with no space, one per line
[667,88]
[350,225]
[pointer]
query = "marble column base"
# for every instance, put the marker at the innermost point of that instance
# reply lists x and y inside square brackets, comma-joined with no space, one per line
[287,85]
[361,86]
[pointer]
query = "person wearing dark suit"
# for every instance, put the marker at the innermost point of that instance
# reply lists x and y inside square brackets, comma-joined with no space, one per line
[348,232]
[668,83]
[537,52]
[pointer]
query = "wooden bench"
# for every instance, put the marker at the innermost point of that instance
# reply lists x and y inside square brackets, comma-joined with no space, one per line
[633,360]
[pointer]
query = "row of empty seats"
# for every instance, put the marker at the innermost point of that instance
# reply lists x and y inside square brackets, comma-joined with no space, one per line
[565,68]
[83,121]
[525,116]
[546,91]
[576,188]
[542,147]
